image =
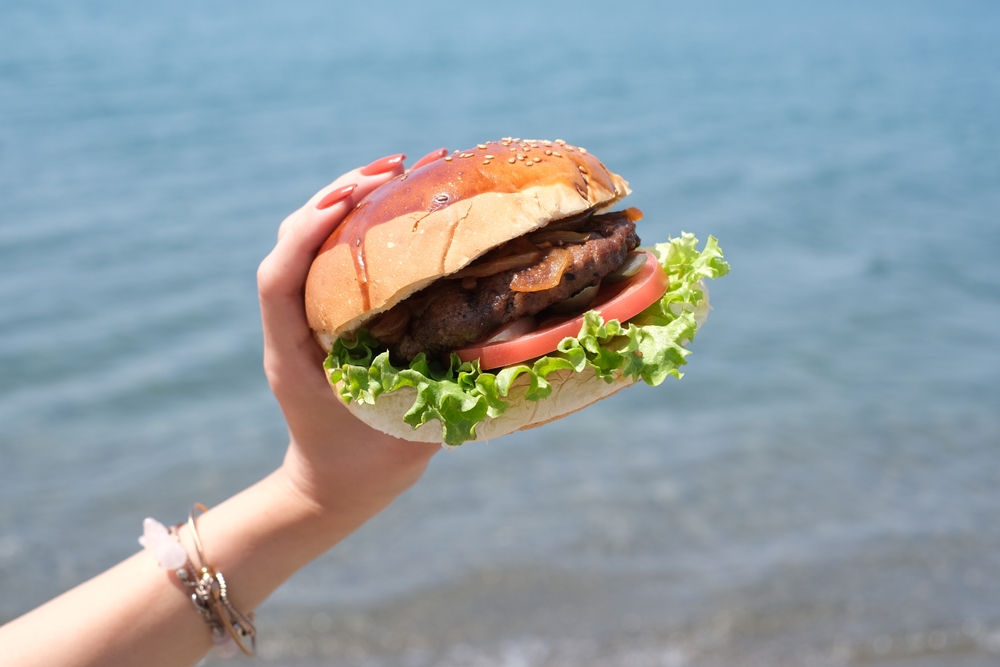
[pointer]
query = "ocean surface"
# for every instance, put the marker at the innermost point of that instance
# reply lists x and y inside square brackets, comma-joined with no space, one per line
[821,488]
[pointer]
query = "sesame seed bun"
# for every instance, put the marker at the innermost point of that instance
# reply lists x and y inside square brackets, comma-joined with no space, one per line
[433,221]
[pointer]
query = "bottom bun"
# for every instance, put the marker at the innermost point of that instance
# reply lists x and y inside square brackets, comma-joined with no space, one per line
[570,392]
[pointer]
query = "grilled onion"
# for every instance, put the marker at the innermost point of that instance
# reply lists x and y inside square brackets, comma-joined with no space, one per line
[511,331]
[391,325]
[496,266]
[544,275]
[577,303]
[559,236]
[633,262]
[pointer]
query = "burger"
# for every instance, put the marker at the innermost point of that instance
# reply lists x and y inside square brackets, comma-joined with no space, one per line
[497,289]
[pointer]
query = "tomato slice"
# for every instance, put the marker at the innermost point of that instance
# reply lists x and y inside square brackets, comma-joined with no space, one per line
[619,301]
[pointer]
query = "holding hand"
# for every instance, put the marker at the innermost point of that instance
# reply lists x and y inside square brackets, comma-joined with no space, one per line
[325,440]
[336,475]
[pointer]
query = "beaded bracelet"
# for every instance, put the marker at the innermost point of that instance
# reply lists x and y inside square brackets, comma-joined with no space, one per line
[230,627]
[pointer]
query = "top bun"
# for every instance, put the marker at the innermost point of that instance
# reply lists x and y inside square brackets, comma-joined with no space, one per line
[433,221]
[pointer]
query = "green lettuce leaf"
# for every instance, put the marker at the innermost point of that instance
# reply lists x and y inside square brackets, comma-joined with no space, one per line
[649,346]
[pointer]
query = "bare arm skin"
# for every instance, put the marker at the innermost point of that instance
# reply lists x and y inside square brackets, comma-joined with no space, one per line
[337,474]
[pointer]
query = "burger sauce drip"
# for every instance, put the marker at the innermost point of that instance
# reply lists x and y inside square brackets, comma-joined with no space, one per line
[362,273]
[360,269]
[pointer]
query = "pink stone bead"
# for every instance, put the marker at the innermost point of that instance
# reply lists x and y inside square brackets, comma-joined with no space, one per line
[166,548]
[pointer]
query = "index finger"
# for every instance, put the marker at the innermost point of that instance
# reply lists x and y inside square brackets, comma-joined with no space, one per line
[282,275]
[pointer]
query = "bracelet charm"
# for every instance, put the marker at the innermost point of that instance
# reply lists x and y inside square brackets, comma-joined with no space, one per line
[232,630]
[163,544]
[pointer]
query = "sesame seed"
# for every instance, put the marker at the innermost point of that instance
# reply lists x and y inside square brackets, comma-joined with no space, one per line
[486,161]
[512,149]
[517,140]
[582,150]
[547,143]
[536,159]
[481,146]
[548,152]
[582,168]
[448,159]
[489,157]
[560,142]
[520,157]
[528,163]
[511,160]
[557,153]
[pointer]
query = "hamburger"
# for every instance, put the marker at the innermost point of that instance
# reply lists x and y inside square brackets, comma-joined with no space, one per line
[497,289]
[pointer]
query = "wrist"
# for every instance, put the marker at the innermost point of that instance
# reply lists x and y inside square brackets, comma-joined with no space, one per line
[259,538]
[355,475]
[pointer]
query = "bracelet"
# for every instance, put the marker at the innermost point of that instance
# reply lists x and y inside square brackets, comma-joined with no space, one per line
[207,586]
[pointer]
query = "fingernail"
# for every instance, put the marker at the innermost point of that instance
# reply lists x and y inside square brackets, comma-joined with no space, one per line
[430,157]
[383,165]
[335,196]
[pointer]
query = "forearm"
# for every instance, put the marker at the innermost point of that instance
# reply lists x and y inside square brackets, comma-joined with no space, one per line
[337,474]
[139,614]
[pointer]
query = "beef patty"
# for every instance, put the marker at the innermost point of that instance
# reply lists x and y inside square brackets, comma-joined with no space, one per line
[447,316]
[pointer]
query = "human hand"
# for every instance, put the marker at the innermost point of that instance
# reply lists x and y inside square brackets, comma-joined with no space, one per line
[337,474]
[333,459]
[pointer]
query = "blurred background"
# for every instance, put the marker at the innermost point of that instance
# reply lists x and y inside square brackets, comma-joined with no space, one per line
[820,489]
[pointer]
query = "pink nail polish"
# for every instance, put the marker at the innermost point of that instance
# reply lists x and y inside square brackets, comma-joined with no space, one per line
[383,165]
[335,196]
[430,157]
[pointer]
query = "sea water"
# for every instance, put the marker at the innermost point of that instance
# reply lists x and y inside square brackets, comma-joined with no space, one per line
[820,488]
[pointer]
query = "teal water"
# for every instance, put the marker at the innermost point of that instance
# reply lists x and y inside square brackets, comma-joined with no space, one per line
[821,487]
